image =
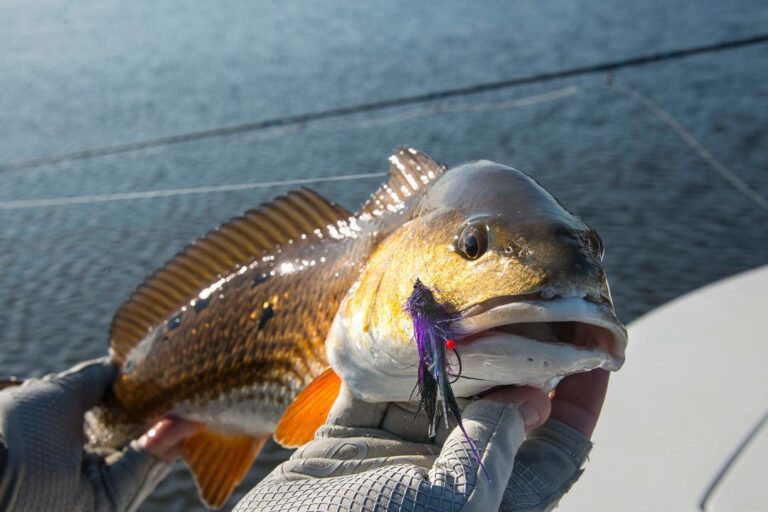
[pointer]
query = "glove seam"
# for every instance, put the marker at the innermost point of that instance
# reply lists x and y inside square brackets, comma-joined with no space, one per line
[500,411]
[562,437]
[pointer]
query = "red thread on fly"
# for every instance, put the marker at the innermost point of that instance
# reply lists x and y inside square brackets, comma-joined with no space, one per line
[432,327]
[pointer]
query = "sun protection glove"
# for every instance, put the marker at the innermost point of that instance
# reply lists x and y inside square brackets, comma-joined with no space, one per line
[46,466]
[371,457]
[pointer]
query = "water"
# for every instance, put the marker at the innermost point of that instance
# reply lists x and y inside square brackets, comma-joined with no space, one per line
[73,77]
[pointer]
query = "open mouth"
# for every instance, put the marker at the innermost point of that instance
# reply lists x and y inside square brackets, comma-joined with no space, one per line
[574,322]
[577,334]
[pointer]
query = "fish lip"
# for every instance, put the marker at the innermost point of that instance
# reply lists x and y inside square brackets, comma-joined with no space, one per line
[480,321]
[535,297]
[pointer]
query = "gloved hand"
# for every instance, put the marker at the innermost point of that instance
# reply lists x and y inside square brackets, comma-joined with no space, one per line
[376,456]
[46,467]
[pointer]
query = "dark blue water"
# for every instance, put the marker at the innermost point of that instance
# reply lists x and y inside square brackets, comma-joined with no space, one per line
[76,76]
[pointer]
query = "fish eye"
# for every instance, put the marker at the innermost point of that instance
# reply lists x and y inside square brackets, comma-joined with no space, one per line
[472,242]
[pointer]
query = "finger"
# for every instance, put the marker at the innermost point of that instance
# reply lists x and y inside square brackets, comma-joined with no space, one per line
[164,439]
[547,464]
[579,398]
[496,429]
[534,405]
[87,381]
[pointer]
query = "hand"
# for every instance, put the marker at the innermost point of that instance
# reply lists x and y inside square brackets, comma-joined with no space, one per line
[376,456]
[46,465]
[549,461]
[579,399]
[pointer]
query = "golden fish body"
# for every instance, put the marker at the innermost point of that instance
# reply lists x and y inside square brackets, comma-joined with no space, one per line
[231,329]
[236,355]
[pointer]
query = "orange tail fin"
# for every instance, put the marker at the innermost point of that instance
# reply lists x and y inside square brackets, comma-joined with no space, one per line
[219,462]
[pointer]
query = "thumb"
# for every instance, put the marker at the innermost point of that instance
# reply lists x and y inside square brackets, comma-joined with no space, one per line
[534,405]
[87,381]
[496,425]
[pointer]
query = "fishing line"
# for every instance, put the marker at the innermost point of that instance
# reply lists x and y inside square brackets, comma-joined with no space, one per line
[414,113]
[440,108]
[301,119]
[453,349]
[727,174]
[404,115]
[420,252]
[150,194]
[475,378]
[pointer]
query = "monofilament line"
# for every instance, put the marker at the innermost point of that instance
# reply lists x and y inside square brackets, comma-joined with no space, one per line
[149,194]
[720,168]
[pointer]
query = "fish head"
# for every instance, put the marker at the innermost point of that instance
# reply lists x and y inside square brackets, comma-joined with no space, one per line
[523,275]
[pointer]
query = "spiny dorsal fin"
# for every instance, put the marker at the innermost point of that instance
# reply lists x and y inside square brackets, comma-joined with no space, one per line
[308,411]
[219,462]
[217,254]
[410,172]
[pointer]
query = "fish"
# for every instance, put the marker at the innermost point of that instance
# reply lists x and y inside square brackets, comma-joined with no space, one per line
[251,329]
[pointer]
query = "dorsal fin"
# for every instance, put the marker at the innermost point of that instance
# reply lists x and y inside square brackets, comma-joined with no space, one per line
[410,172]
[217,254]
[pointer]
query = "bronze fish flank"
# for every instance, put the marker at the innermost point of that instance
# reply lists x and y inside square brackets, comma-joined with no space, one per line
[247,320]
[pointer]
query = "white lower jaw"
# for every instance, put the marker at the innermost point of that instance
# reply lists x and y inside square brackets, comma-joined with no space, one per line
[493,360]
[503,359]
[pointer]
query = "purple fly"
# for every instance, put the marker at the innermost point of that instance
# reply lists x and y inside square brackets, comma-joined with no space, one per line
[432,328]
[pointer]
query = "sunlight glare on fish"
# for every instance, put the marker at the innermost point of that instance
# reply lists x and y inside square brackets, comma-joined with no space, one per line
[334,233]
[208,291]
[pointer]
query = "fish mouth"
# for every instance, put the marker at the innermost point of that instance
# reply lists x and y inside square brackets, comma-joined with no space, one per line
[575,334]
[579,323]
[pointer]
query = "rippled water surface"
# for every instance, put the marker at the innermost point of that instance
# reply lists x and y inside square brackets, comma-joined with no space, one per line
[78,76]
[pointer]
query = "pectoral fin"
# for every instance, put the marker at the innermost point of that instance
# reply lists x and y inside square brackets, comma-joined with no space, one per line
[308,411]
[219,462]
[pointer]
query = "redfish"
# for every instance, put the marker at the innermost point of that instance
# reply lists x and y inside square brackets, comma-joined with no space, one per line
[251,329]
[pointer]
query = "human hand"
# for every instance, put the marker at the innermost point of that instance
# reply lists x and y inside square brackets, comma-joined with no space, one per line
[46,465]
[376,456]
[549,461]
[579,399]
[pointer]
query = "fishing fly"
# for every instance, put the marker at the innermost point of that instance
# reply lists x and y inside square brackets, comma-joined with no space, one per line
[432,327]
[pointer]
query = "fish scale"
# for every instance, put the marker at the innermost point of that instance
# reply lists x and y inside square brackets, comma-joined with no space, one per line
[234,327]
[251,330]
[226,346]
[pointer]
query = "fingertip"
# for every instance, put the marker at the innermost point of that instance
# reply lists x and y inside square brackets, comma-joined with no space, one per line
[164,439]
[534,404]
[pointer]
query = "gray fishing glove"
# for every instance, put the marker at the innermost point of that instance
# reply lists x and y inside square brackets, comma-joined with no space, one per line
[46,467]
[371,457]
